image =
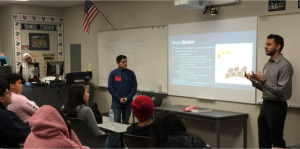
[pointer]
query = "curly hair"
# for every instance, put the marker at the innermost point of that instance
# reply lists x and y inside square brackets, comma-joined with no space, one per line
[12,78]
[169,131]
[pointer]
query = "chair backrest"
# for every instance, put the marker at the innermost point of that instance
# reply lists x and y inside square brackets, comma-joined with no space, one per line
[21,145]
[158,98]
[134,141]
[19,121]
[85,134]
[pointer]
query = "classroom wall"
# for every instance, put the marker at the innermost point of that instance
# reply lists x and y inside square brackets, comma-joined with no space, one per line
[6,30]
[135,14]
[40,10]
[6,33]
[52,41]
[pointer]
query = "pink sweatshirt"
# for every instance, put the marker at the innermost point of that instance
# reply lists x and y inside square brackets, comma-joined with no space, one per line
[22,107]
[48,130]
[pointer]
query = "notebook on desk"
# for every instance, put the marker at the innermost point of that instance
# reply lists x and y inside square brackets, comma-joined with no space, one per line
[200,110]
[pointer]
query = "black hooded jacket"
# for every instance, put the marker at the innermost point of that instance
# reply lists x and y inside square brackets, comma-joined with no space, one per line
[11,134]
[183,140]
[134,129]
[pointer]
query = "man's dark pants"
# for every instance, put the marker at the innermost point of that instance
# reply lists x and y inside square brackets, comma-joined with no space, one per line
[271,124]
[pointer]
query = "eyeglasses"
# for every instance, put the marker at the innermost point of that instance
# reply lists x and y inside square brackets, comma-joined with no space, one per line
[28,58]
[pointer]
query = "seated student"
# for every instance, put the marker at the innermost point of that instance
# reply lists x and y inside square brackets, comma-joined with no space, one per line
[11,133]
[143,108]
[76,108]
[169,132]
[50,129]
[21,106]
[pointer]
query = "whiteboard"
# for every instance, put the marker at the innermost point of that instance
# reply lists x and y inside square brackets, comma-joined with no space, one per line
[287,26]
[147,55]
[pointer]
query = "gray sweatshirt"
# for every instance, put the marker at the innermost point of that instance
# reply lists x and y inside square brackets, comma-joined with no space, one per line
[85,113]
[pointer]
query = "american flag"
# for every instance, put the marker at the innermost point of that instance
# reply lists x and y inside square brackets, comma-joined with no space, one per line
[90,12]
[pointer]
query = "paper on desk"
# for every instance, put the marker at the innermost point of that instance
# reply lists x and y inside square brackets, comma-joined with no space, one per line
[50,78]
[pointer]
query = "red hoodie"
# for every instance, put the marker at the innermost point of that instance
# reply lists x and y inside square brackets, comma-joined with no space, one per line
[48,130]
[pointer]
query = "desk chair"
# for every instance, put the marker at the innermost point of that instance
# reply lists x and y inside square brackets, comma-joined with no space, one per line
[85,134]
[21,145]
[19,121]
[158,98]
[133,141]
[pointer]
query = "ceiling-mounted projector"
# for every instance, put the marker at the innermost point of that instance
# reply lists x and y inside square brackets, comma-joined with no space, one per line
[201,4]
[190,4]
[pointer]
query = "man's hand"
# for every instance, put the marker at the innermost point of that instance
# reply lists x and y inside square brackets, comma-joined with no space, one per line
[122,100]
[125,100]
[249,77]
[257,77]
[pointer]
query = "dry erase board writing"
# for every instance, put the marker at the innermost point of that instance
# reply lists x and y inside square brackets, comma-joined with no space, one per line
[146,51]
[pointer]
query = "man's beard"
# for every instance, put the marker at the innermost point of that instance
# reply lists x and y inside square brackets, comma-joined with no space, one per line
[272,52]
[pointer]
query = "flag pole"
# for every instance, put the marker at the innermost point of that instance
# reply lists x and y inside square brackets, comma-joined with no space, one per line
[106,19]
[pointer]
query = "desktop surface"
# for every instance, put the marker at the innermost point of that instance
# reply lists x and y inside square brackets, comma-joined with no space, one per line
[214,114]
[120,128]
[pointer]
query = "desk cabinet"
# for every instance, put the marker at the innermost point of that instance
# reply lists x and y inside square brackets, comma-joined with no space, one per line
[46,95]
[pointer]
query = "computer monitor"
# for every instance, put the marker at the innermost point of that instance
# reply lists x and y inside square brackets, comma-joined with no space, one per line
[36,69]
[55,68]
[4,71]
[3,60]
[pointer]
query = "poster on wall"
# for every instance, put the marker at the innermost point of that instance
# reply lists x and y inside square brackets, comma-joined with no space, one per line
[35,57]
[47,57]
[277,5]
[38,41]
[25,47]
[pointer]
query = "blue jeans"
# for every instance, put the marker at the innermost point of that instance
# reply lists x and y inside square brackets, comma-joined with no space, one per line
[112,139]
[126,111]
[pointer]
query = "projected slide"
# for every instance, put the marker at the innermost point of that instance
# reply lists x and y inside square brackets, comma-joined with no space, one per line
[231,61]
[207,60]
[215,60]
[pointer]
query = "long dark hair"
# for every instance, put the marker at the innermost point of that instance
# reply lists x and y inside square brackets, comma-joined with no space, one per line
[75,98]
[166,124]
[66,121]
